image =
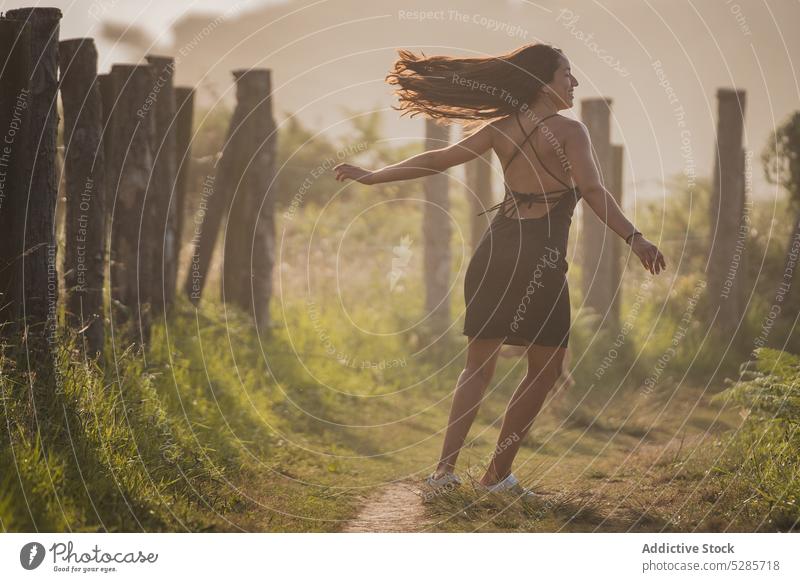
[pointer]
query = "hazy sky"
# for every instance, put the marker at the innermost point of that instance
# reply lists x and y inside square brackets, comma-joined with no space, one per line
[651,57]
[83,17]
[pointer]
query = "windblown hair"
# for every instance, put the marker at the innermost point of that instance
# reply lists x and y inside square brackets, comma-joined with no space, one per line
[472,89]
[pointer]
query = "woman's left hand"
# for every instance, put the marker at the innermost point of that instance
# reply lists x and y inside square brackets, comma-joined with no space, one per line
[648,253]
[350,172]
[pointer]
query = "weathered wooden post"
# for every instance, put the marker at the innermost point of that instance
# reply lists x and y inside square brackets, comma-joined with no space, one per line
[37,208]
[161,192]
[727,244]
[260,181]
[184,121]
[479,190]
[618,246]
[132,163]
[15,47]
[235,248]
[250,229]
[108,96]
[437,231]
[212,206]
[85,232]
[599,256]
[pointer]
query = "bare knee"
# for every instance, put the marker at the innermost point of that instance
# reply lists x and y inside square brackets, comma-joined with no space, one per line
[545,366]
[541,380]
[482,372]
[481,359]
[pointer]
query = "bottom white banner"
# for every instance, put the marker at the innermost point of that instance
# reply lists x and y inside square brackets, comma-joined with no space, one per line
[356,557]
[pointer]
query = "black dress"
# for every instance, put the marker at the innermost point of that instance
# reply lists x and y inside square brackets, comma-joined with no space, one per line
[515,286]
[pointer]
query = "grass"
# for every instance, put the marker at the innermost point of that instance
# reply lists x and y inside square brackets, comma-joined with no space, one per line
[762,458]
[225,429]
[169,446]
[599,476]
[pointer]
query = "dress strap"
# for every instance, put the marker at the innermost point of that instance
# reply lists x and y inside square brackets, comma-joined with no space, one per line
[537,153]
[498,206]
[527,136]
[524,197]
[530,197]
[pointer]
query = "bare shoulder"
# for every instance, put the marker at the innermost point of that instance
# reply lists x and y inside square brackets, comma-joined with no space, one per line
[574,127]
[504,132]
[501,126]
[565,127]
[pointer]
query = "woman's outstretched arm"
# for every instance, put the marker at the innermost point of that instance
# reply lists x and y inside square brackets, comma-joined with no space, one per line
[578,150]
[424,164]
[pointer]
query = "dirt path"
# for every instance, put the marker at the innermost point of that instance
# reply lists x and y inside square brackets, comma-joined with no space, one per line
[607,473]
[396,507]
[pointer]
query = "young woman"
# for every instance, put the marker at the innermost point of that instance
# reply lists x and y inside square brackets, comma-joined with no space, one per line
[515,287]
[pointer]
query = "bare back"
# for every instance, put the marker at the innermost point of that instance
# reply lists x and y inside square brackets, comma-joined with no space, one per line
[541,171]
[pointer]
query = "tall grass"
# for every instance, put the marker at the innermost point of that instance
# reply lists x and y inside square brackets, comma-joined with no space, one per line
[110,451]
[764,453]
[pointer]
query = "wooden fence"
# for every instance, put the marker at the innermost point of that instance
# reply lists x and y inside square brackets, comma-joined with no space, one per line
[127,156]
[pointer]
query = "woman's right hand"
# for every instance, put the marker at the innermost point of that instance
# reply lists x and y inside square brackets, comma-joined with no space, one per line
[648,253]
[351,172]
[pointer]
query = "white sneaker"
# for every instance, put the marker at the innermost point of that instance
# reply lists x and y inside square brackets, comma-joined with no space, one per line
[449,480]
[510,485]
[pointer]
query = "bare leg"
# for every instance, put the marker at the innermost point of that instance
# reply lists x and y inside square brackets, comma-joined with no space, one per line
[471,385]
[544,368]
[563,384]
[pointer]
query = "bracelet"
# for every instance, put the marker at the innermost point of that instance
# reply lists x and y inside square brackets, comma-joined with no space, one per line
[635,232]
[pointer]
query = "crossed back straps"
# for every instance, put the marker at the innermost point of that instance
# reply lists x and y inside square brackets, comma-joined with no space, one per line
[526,141]
[531,197]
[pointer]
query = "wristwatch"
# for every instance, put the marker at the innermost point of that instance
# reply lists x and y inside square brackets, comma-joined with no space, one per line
[630,236]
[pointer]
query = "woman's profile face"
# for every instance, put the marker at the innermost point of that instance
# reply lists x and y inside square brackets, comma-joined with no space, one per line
[562,87]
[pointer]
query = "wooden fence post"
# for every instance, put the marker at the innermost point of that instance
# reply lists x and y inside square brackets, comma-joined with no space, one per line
[40,277]
[479,190]
[250,228]
[184,121]
[132,163]
[108,96]
[161,193]
[725,260]
[212,206]
[617,245]
[84,166]
[235,252]
[599,251]
[15,47]
[437,231]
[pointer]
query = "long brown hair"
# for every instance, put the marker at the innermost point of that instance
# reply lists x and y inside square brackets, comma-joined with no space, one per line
[470,89]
